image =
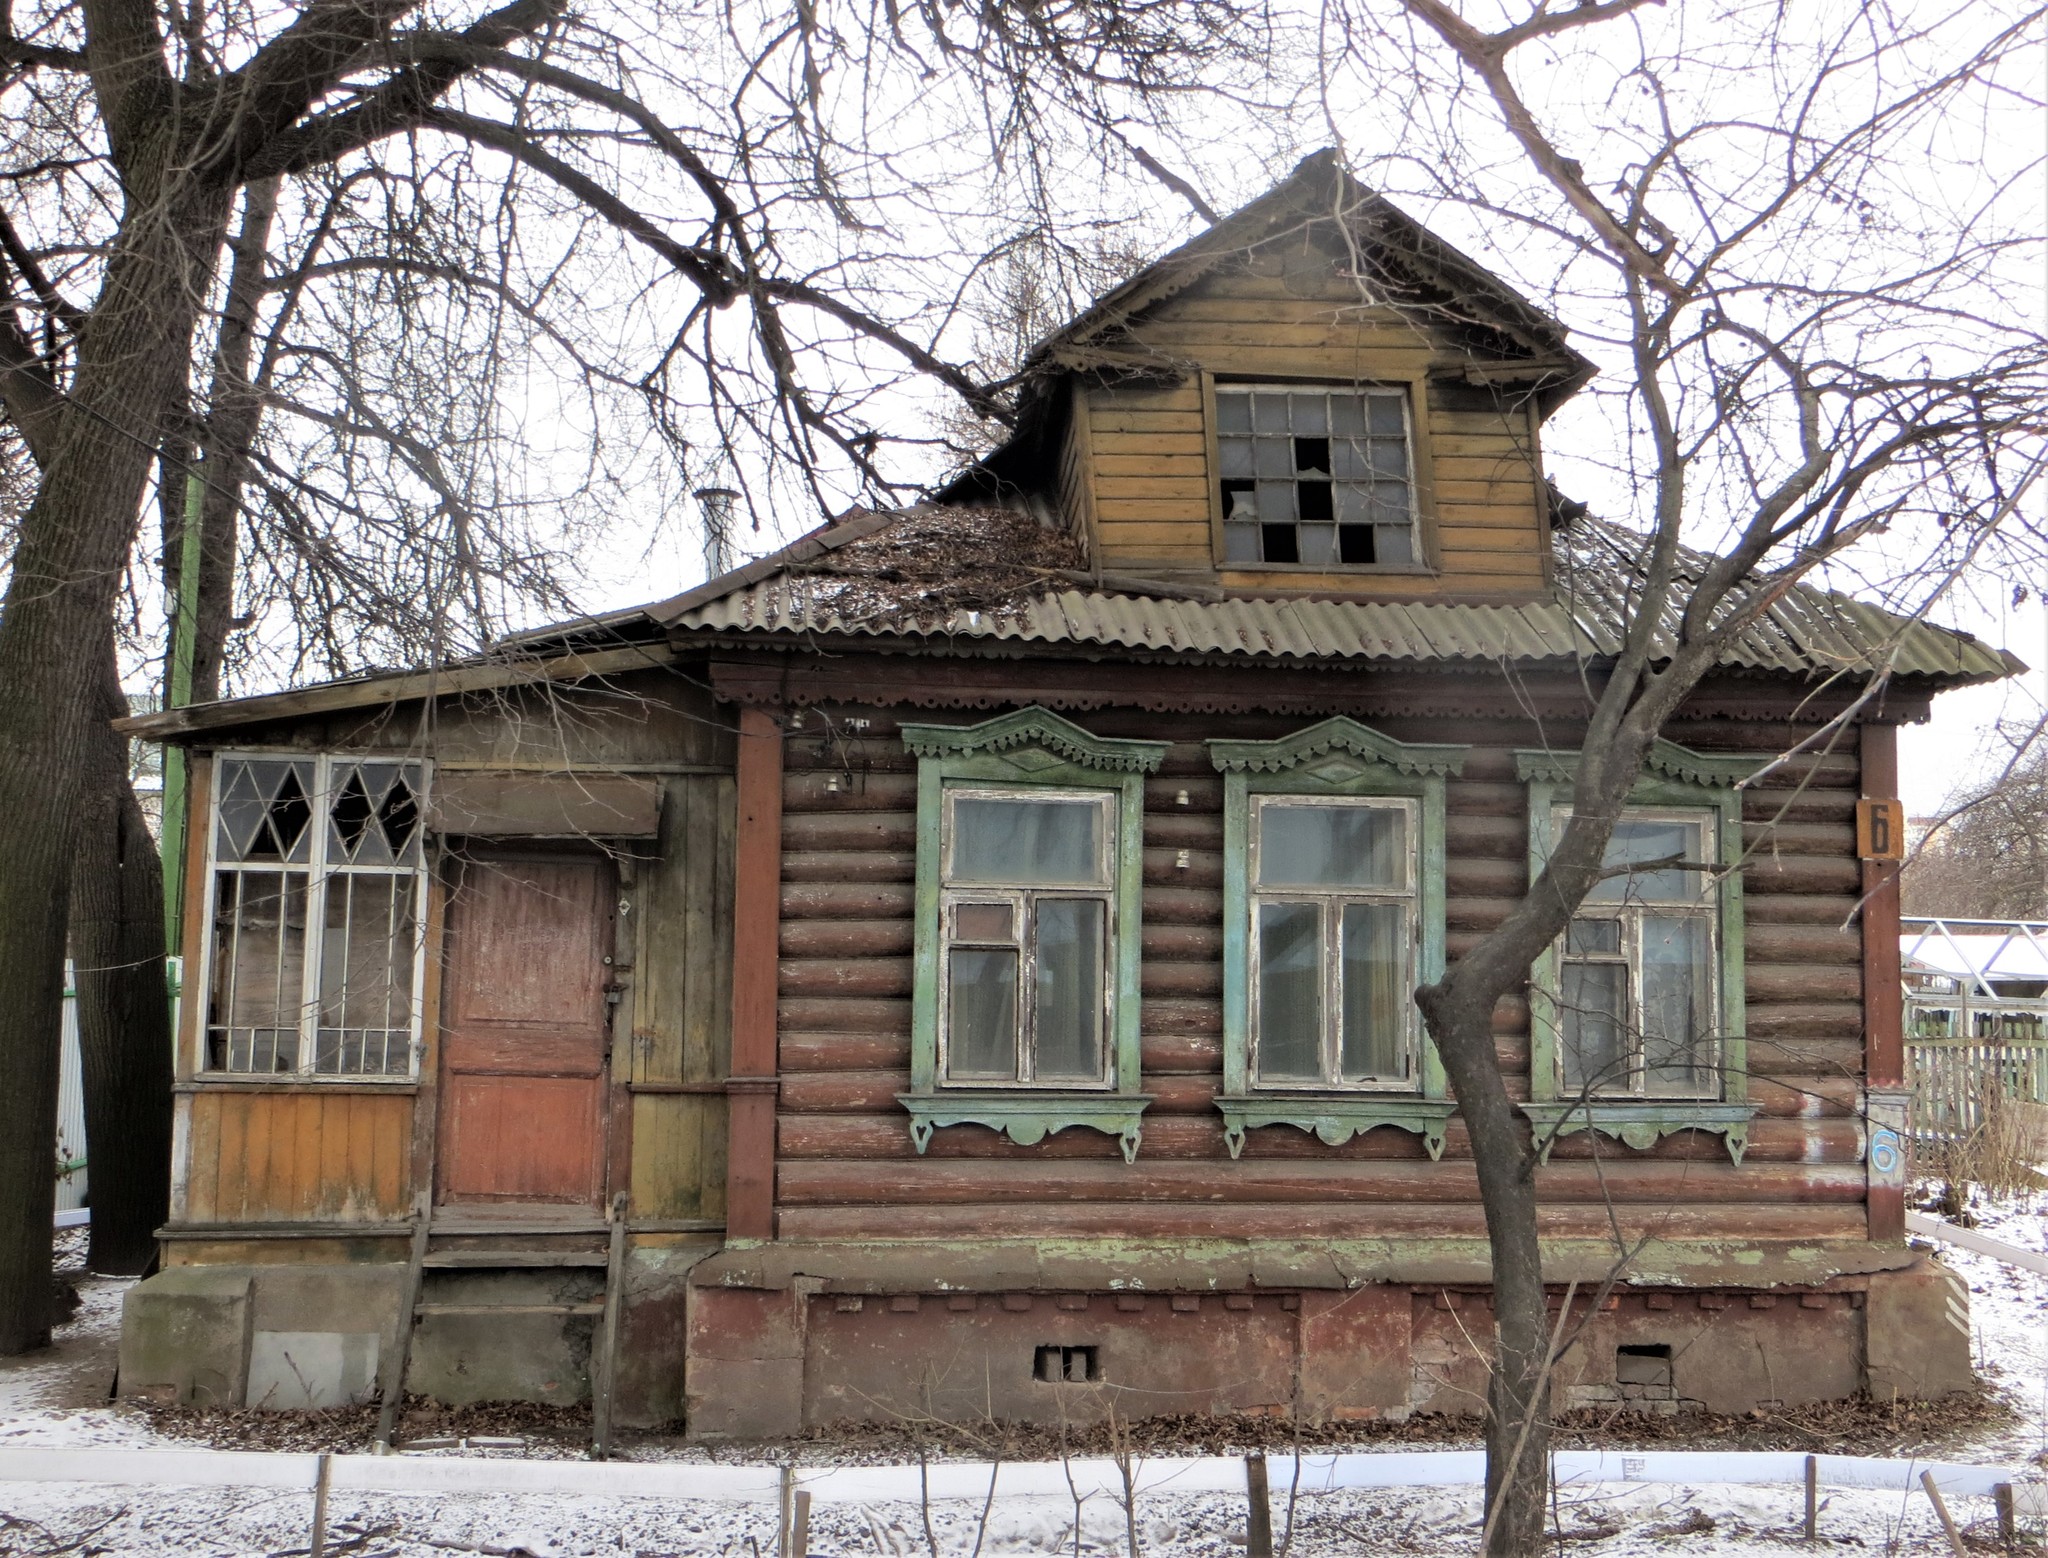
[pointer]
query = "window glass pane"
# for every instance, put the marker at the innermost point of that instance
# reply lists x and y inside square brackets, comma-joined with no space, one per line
[1318,542]
[1233,412]
[1376,993]
[1333,846]
[366,965]
[265,810]
[1290,992]
[1393,544]
[1384,412]
[1241,542]
[983,922]
[1592,937]
[1069,993]
[1269,413]
[259,967]
[1594,1007]
[1309,413]
[1676,970]
[1273,457]
[1643,838]
[981,1029]
[1276,502]
[1347,415]
[996,840]
[1235,456]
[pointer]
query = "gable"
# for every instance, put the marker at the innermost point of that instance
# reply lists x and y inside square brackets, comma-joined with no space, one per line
[1138,471]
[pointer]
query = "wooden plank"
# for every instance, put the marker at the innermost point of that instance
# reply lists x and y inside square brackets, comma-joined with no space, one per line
[1180,486]
[757,880]
[1185,458]
[1019,1219]
[604,1375]
[234,1162]
[391,1384]
[1109,422]
[1882,994]
[1184,396]
[583,805]
[203,1159]
[391,1181]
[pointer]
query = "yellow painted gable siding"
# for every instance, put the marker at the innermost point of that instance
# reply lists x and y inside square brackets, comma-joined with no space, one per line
[1148,446]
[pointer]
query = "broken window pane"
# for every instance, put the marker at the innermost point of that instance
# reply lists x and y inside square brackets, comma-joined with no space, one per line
[1316,456]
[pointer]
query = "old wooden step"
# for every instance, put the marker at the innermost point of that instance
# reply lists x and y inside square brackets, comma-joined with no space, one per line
[488,1259]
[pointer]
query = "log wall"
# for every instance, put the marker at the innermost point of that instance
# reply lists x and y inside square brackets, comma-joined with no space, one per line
[847,1168]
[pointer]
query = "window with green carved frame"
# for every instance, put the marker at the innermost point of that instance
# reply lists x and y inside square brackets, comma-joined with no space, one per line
[1030,869]
[1637,1014]
[1333,904]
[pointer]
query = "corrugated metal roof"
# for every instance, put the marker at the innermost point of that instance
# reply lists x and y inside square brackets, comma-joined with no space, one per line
[1806,631]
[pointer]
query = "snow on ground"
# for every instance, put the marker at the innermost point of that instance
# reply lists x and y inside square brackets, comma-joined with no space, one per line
[59,1397]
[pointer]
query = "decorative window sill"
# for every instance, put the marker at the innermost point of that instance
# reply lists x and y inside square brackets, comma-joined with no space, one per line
[1028,1116]
[1335,1118]
[1642,1125]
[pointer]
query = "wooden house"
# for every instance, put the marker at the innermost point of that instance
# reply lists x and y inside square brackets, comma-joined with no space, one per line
[961,963]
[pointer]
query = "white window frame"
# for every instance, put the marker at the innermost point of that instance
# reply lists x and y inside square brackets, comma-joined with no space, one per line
[1331,902]
[1022,899]
[1706,908]
[329,772]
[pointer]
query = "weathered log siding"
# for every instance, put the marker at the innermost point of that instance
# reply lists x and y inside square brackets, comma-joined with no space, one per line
[847,1168]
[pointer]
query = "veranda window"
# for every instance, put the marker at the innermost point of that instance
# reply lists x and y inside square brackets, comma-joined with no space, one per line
[318,885]
[1026,908]
[1333,942]
[1317,476]
[1639,965]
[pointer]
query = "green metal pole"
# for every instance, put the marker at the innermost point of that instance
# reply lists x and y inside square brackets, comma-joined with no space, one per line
[177,693]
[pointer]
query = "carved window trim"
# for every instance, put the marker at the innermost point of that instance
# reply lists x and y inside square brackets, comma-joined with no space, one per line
[1675,779]
[1029,750]
[1337,757]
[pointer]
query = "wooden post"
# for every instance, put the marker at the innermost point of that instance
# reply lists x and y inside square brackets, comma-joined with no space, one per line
[392,1387]
[756,915]
[605,1353]
[318,1545]
[1813,1498]
[1948,1525]
[800,1525]
[2008,1513]
[1884,1041]
[785,1512]
[1258,1525]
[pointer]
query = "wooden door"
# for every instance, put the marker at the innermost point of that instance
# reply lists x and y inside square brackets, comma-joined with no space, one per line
[525,1028]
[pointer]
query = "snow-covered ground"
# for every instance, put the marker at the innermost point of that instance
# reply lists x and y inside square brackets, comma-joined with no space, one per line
[59,1397]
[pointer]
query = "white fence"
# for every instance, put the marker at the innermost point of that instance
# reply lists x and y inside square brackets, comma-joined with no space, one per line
[1976,995]
[70,1109]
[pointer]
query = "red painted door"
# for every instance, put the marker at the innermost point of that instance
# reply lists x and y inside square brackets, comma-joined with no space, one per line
[524,1031]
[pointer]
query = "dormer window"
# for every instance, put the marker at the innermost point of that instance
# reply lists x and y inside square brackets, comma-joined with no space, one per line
[1316,477]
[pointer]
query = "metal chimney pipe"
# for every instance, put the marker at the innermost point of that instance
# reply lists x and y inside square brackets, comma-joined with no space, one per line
[716,504]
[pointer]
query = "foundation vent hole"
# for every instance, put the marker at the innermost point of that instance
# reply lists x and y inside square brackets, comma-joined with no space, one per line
[1068,1365]
[1647,1365]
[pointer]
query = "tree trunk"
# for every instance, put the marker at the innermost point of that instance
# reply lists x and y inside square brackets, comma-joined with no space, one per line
[72,546]
[233,414]
[1518,1392]
[124,1037]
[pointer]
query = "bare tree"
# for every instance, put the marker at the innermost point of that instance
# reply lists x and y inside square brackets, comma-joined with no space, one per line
[1809,304]
[1986,858]
[704,191]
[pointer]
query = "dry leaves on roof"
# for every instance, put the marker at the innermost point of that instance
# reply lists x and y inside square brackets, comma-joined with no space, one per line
[933,563]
